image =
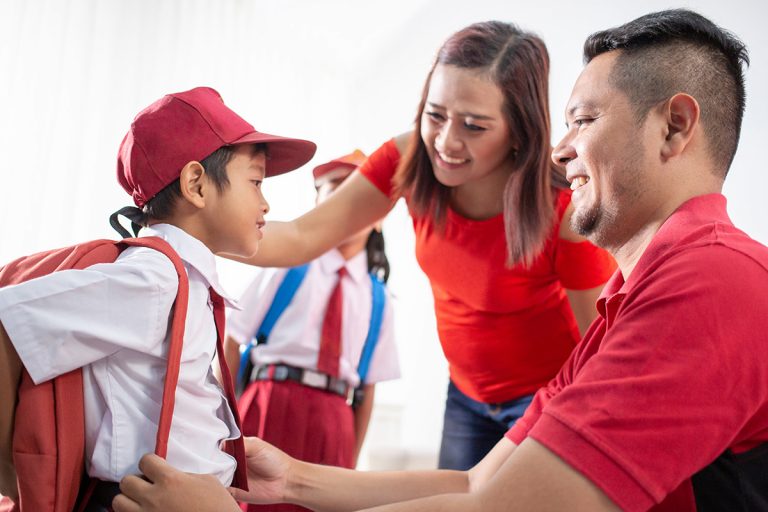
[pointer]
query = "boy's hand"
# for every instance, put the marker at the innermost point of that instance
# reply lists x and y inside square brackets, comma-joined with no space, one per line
[166,489]
[268,471]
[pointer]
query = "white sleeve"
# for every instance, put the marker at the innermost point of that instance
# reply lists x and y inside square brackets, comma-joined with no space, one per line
[385,364]
[68,319]
[254,304]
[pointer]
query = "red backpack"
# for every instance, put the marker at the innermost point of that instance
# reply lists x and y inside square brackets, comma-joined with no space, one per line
[49,429]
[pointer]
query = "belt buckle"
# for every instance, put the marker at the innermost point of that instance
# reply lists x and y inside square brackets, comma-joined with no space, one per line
[280,373]
[314,379]
[351,395]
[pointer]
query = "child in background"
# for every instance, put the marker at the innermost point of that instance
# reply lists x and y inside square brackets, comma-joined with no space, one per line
[194,169]
[298,397]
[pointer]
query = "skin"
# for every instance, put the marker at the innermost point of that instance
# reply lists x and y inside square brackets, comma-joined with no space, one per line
[229,221]
[674,165]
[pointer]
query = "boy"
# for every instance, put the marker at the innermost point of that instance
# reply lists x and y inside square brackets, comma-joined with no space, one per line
[195,168]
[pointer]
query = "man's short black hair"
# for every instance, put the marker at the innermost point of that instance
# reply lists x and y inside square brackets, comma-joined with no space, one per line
[668,52]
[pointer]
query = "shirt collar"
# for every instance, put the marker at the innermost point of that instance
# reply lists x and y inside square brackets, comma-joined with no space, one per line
[194,253]
[696,212]
[357,266]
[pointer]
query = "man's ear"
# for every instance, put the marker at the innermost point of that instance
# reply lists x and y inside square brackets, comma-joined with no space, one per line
[682,115]
[192,183]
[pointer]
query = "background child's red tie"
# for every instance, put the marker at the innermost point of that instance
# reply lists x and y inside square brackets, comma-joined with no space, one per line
[330,338]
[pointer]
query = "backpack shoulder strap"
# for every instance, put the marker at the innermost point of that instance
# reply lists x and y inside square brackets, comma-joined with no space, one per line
[378,300]
[177,337]
[284,295]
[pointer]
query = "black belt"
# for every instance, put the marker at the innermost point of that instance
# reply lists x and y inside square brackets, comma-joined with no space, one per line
[311,378]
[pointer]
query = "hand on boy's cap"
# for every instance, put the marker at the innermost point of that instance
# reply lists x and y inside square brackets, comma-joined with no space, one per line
[188,126]
[338,167]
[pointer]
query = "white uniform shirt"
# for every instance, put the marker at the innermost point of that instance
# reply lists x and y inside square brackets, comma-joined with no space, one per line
[295,338]
[113,321]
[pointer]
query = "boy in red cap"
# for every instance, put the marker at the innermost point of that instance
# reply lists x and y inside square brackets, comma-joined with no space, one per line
[302,383]
[194,169]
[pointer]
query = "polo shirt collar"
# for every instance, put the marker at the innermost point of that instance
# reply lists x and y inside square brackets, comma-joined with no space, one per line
[357,266]
[194,253]
[697,211]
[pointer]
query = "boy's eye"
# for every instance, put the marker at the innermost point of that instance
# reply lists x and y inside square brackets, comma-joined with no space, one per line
[256,182]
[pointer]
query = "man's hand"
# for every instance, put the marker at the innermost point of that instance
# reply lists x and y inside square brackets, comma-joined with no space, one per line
[268,471]
[166,489]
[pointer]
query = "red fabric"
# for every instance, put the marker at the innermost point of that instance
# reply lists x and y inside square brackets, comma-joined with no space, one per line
[235,447]
[307,423]
[330,337]
[672,373]
[505,331]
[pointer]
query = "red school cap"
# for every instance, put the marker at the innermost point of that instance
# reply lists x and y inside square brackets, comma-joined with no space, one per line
[189,126]
[338,167]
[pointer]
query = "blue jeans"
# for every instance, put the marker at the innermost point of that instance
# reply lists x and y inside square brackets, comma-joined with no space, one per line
[472,428]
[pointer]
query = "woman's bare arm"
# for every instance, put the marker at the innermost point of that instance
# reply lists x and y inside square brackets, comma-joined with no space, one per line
[356,204]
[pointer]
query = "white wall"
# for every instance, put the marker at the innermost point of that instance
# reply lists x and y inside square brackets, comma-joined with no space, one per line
[342,73]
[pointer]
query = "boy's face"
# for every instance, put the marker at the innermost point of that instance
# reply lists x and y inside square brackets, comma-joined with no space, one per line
[235,215]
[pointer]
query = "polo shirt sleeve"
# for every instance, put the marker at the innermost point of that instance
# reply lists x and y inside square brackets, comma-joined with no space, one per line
[674,382]
[379,168]
[254,303]
[72,318]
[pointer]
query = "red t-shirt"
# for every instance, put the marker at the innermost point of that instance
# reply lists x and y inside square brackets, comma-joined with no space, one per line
[505,331]
[672,373]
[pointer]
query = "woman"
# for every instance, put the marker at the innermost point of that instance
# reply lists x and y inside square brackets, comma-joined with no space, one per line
[474,173]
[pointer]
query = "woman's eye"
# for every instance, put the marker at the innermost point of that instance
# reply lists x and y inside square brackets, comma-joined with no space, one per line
[435,116]
[474,128]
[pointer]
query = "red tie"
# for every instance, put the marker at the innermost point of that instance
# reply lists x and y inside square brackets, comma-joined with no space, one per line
[330,338]
[234,447]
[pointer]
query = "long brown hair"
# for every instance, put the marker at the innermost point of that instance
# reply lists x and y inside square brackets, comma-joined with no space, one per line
[518,63]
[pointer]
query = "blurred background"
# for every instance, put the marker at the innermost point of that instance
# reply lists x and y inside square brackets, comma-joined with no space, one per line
[345,74]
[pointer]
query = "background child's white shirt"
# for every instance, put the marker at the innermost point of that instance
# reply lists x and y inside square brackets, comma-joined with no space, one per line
[295,338]
[113,320]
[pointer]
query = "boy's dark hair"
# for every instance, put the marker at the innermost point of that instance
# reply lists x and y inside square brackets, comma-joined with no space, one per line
[162,204]
[215,165]
[377,257]
[678,50]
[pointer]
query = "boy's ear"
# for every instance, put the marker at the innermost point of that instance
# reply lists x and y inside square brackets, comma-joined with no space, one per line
[192,183]
[682,115]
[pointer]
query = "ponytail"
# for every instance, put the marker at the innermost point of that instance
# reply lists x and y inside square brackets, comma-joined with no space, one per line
[377,258]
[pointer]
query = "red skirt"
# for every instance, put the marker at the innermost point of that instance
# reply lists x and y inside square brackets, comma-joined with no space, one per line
[306,423]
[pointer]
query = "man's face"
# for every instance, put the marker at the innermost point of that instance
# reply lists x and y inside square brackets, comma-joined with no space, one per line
[606,158]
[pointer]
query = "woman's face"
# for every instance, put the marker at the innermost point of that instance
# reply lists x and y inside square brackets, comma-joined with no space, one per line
[464,128]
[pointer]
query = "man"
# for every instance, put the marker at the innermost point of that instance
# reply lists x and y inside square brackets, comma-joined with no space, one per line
[664,404]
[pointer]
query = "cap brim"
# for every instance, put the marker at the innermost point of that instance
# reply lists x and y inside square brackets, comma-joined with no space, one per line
[284,154]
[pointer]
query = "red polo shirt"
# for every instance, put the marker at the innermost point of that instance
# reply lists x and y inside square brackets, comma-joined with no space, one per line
[673,372]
